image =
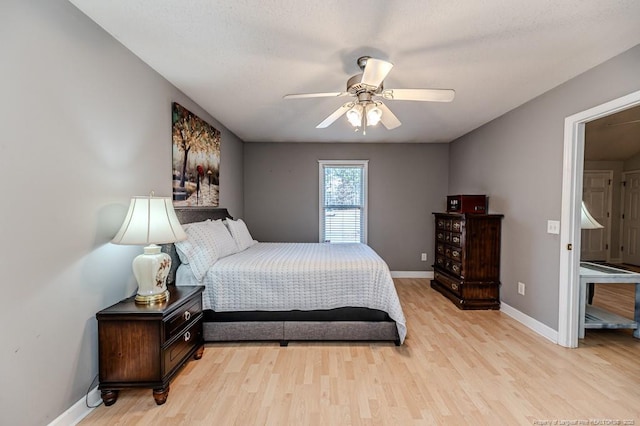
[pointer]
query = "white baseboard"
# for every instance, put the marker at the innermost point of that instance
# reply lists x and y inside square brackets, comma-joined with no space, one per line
[412,274]
[533,324]
[78,411]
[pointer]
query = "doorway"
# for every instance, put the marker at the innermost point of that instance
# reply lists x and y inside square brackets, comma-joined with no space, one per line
[572,184]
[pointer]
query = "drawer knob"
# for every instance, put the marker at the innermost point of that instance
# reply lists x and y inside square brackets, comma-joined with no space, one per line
[454,286]
[187,315]
[187,336]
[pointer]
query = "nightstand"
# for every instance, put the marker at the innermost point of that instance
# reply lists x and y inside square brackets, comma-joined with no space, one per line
[144,346]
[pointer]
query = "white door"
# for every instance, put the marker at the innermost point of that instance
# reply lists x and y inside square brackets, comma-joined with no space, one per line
[631,218]
[596,194]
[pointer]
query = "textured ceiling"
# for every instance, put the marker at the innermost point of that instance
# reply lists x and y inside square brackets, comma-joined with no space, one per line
[238,58]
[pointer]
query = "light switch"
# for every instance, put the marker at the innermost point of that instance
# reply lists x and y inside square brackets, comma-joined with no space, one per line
[553,226]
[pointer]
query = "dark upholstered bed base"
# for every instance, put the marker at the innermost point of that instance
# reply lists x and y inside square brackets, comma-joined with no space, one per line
[338,314]
[283,329]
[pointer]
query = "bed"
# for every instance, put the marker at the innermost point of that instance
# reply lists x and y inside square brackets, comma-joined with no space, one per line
[334,292]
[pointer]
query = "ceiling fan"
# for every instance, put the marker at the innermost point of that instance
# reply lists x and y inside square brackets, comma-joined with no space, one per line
[367,88]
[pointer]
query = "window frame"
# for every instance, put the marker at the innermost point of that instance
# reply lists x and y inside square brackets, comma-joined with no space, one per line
[362,164]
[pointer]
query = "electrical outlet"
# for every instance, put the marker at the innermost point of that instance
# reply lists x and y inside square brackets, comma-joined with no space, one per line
[553,226]
[423,257]
[521,288]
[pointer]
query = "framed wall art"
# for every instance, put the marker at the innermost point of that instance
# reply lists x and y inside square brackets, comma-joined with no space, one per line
[196,159]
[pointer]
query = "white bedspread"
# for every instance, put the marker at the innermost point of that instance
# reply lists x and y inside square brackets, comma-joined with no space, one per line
[299,276]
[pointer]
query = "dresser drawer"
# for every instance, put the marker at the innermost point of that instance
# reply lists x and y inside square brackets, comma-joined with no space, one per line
[177,321]
[440,248]
[454,267]
[451,284]
[175,353]
[440,261]
[455,239]
[455,253]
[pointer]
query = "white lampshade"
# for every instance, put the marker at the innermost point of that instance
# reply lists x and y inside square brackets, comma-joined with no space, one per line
[587,221]
[150,221]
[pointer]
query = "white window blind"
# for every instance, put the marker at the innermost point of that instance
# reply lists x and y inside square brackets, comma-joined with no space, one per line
[343,201]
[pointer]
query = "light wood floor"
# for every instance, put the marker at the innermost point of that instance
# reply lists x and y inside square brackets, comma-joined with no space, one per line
[456,367]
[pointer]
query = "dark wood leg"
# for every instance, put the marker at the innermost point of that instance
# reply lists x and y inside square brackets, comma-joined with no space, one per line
[199,352]
[160,395]
[284,343]
[590,292]
[109,397]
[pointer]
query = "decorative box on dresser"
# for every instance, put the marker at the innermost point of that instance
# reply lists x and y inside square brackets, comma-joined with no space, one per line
[467,259]
[144,346]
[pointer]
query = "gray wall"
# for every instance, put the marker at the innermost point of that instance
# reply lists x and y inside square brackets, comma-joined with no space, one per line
[517,160]
[85,125]
[407,182]
[632,164]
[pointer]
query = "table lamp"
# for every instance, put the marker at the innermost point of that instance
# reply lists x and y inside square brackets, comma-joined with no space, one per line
[151,221]
[587,221]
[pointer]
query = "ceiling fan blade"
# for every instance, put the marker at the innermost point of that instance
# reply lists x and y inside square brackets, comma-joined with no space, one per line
[375,72]
[315,95]
[425,95]
[335,115]
[388,119]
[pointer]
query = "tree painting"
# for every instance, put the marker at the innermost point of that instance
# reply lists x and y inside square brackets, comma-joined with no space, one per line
[196,159]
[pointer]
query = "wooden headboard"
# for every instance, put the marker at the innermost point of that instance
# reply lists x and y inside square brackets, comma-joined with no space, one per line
[189,215]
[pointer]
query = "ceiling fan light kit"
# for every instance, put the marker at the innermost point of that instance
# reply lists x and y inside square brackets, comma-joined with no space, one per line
[364,110]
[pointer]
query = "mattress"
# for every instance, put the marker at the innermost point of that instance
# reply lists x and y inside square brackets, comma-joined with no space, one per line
[299,276]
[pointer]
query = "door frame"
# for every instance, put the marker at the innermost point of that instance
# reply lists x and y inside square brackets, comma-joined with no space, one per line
[573,167]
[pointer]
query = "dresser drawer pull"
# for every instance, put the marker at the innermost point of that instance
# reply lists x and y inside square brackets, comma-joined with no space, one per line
[454,286]
[187,315]
[187,336]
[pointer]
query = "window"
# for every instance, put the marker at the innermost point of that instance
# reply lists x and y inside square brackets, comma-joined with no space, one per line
[343,201]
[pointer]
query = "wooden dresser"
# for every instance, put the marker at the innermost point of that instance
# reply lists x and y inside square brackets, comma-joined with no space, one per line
[146,345]
[467,259]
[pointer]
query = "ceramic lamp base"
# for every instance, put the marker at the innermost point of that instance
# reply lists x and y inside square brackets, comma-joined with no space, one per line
[152,299]
[151,269]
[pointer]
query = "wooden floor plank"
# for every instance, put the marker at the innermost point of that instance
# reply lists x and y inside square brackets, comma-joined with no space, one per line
[456,367]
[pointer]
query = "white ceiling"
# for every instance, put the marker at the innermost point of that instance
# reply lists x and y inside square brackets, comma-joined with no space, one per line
[237,58]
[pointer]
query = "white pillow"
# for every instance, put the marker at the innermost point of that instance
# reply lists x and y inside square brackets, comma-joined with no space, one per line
[223,239]
[240,233]
[199,250]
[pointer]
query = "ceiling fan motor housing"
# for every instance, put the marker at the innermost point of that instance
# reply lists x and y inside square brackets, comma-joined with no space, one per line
[355,86]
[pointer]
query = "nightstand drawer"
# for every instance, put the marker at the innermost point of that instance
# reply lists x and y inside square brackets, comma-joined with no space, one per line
[175,353]
[188,312]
